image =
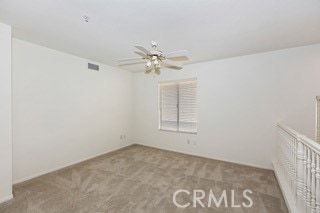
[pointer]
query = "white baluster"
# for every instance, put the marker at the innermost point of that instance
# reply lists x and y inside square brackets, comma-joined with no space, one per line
[292,157]
[318,185]
[304,182]
[290,161]
[289,155]
[313,183]
[295,166]
[308,180]
[300,175]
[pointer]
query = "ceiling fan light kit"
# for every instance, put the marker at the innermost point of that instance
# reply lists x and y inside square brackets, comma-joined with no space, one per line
[157,59]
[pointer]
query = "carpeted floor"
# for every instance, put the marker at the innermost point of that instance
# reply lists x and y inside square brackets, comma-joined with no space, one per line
[144,179]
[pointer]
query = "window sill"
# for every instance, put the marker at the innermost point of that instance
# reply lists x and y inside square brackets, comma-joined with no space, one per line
[192,133]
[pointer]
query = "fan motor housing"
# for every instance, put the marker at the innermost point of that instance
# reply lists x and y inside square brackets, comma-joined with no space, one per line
[157,53]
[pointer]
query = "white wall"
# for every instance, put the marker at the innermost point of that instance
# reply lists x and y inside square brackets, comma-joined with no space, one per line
[63,112]
[239,102]
[5,114]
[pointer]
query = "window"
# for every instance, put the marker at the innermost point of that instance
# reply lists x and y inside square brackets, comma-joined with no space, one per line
[178,106]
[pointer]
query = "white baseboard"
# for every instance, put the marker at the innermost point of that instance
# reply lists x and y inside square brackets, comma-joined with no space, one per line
[7,198]
[67,165]
[284,186]
[205,156]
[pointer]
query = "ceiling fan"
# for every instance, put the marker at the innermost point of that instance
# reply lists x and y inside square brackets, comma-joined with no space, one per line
[155,59]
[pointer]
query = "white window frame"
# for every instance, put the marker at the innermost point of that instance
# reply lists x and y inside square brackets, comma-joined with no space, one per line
[159,106]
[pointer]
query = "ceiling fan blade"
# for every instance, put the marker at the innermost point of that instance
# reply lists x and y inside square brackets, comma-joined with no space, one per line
[141,54]
[143,50]
[131,63]
[171,65]
[130,59]
[180,55]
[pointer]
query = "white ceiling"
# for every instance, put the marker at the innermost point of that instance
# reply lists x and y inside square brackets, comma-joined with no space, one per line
[209,29]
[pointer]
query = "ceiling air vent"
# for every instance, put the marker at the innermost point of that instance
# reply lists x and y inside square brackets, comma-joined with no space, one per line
[93,67]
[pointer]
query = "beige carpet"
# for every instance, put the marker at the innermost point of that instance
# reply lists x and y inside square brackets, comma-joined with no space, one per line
[143,179]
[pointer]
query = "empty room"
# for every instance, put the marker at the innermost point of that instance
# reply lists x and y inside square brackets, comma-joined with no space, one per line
[147,106]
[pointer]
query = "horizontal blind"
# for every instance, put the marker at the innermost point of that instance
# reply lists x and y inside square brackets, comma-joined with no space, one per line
[178,106]
[169,106]
[188,106]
